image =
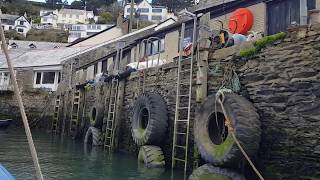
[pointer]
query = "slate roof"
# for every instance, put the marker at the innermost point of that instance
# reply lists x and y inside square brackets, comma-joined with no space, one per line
[205,4]
[37,58]
[8,18]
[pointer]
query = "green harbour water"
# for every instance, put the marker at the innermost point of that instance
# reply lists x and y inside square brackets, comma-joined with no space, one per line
[69,160]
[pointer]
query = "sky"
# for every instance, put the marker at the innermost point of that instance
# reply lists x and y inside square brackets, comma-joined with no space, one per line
[70,1]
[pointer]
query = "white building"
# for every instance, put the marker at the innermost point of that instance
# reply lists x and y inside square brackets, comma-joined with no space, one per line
[66,16]
[148,12]
[17,23]
[77,31]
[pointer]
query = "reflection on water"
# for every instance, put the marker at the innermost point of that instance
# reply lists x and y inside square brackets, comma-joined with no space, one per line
[64,160]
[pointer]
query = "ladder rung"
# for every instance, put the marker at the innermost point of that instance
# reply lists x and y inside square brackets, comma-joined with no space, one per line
[183,108]
[185,84]
[182,120]
[183,147]
[109,129]
[185,71]
[184,95]
[76,103]
[177,159]
[179,133]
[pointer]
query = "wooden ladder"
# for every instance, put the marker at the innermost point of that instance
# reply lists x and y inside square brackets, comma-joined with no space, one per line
[54,128]
[75,112]
[183,106]
[112,109]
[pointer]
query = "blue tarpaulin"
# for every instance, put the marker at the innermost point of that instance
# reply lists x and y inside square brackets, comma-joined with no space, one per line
[4,174]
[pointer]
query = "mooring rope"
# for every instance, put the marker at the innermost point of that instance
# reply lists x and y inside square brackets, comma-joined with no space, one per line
[21,106]
[220,96]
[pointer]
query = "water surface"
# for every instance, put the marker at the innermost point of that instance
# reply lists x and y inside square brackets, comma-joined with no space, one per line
[68,160]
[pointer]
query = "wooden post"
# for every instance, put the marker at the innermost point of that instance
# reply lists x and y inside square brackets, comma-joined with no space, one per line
[202,60]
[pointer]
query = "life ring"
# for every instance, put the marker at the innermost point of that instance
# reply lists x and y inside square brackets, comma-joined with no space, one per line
[241,21]
[212,137]
[150,119]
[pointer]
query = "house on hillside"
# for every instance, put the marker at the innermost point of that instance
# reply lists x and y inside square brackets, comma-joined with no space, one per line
[66,16]
[77,31]
[105,35]
[147,12]
[18,23]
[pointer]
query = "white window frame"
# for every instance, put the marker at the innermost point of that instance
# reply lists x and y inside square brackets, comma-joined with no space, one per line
[5,84]
[53,86]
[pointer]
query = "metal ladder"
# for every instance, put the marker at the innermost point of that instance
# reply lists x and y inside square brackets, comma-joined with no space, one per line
[56,115]
[183,110]
[109,135]
[75,112]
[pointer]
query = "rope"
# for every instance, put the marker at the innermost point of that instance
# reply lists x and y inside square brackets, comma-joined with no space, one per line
[220,96]
[21,106]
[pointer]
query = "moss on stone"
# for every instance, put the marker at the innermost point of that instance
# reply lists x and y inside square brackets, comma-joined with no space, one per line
[213,176]
[262,43]
[248,52]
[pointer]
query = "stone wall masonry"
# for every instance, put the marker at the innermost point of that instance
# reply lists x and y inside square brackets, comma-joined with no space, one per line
[283,82]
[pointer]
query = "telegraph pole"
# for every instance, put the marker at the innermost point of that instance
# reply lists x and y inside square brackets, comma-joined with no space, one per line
[131,16]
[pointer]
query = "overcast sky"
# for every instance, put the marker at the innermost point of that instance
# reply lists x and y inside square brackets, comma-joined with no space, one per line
[70,1]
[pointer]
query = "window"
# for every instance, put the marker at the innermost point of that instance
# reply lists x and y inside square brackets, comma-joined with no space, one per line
[45,19]
[46,79]
[10,27]
[95,70]
[98,27]
[143,10]
[32,46]
[20,30]
[144,17]
[156,18]
[155,47]
[105,66]
[157,10]
[21,23]
[129,10]
[38,77]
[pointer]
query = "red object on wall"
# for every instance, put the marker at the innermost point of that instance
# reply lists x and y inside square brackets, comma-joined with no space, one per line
[241,21]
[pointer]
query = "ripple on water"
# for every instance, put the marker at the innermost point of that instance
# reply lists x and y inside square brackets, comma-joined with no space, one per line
[68,160]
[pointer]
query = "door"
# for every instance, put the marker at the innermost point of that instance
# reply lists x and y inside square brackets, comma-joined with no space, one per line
[281,14]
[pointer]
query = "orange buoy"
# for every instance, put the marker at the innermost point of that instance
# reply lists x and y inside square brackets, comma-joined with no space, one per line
[241,21]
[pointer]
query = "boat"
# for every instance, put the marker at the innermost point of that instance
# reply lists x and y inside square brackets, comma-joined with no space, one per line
[4,124]
[4,174]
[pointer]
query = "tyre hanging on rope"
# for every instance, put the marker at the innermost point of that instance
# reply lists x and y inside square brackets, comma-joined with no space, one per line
[93,137]
[151,156]
[208,171]
[150,119]
[96,115]
[215,144]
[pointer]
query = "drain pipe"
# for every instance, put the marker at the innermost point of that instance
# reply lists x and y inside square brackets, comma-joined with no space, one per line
[303,12]
[21,106]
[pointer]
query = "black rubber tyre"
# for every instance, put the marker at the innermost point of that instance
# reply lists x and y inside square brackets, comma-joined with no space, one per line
[150,120]
[208,171]
[224,151]
[93,136]
[151,156]
[96,115]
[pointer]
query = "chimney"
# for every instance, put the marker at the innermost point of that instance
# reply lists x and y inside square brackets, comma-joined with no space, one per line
[122,23]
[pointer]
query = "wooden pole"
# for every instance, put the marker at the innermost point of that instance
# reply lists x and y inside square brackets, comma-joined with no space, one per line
[131,15]
[21,107]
